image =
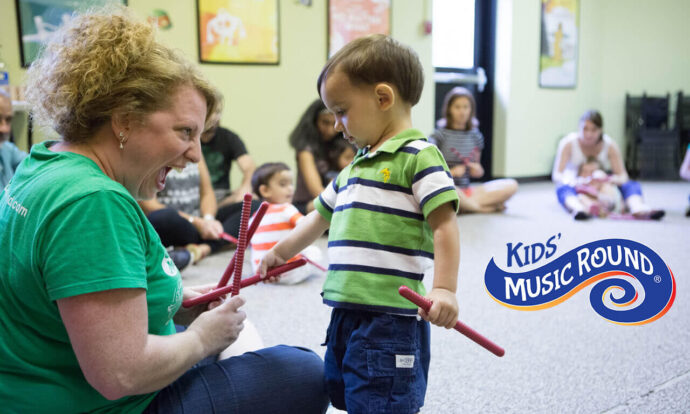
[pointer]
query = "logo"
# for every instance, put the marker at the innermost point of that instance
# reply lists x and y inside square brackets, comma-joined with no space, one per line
[631,284]
[386,174]
[169,266]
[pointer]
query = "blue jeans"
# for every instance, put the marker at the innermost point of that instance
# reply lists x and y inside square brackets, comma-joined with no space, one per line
[281,379]
[376,362]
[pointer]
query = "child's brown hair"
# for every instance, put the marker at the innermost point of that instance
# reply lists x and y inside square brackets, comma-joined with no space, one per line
[379,58]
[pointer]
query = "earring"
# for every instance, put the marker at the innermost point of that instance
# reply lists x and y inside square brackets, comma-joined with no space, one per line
[122,140]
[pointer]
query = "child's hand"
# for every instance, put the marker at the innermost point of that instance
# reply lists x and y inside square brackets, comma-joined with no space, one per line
[270,260]
[444,309]
[458,170]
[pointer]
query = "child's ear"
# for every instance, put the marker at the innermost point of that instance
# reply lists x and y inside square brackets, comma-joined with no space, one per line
[385,96]
[263,191]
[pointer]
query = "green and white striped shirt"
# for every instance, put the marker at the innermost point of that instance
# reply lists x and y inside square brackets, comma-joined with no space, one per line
[379,238]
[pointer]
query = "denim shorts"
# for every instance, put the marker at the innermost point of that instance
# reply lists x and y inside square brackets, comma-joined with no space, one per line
[376,362]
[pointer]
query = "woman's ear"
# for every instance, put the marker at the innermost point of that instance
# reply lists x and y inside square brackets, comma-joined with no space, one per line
[120,122]
[385,96]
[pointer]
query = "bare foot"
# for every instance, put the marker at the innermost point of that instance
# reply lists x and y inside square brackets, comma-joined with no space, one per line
[199,251]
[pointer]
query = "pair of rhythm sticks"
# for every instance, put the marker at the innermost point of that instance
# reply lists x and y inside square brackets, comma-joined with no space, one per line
[235,266]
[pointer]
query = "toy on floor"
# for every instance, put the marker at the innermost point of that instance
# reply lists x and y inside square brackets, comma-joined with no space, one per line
[237,261]
[425,304]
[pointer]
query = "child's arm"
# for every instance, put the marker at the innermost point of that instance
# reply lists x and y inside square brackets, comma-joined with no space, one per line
[308,229]
[444,311]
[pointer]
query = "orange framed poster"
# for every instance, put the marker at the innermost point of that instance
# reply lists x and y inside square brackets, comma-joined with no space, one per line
[238,31]
[350,19]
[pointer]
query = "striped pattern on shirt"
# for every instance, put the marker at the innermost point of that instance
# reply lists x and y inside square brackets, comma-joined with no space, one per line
[182,190]
[275,225]
[379,238]
[457,146]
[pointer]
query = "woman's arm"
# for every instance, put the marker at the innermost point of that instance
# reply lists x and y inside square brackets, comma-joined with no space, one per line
[247,167]
[207,202]
[307,167]
[108,331]
[562,157]
[620,175]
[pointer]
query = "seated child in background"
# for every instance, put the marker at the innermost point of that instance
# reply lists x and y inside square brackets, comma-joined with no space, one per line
[340,155]
[391,215]
[598,195]
[273,183]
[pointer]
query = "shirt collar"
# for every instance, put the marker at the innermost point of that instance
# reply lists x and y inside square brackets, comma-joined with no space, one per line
[395,143]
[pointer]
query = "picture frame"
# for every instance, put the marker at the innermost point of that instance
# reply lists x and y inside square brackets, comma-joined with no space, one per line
[238,32]
[37,19]
[558,56]
[350,19]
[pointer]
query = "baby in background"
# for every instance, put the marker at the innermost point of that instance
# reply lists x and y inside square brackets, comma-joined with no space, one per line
[599,196]
[273,183]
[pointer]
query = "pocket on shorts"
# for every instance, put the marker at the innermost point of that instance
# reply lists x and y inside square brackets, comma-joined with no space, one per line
[395,379]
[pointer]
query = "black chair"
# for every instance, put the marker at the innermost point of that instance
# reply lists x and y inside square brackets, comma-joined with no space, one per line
[652,147]
[683,121]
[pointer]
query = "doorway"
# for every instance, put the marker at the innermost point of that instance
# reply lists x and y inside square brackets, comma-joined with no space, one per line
[463,55]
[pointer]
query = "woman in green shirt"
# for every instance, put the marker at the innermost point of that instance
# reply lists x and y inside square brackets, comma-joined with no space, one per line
[89,298]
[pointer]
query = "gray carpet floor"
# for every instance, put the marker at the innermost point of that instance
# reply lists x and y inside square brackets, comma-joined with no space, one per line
[562,359]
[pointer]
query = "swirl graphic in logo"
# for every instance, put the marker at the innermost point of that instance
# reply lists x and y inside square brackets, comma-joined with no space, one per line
[632,284]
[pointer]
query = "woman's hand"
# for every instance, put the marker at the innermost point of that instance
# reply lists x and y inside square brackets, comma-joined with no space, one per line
[444,309]
[209,229]
[219,327]
[185,316]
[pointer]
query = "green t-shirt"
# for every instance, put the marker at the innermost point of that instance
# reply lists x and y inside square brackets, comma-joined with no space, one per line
[67,229]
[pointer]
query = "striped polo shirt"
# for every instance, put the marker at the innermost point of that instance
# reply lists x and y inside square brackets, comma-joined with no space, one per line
[379,238]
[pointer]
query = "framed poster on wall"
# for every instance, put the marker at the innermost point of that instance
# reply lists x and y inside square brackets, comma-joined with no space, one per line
[38,19]
[238,31]
[559,43]
[350,19]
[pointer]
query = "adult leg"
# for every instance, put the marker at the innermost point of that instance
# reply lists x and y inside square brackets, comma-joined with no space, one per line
[172,228]
[567,196]
[491,195]
[632,195]
[280,379]
[249,340]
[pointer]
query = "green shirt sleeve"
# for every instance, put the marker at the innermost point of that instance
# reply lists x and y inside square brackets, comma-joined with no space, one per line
[93,244]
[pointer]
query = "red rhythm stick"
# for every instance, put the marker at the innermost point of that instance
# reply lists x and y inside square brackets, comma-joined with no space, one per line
[225,236]
[318,266]
[242,244]
[425,304]
[218,292]
[250,233]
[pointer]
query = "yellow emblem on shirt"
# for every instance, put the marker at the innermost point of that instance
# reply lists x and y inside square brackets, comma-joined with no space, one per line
[386,174]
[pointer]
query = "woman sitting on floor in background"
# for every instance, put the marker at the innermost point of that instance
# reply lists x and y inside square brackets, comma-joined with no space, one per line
[461,144]
[90,304]
[590,141]
[311,140]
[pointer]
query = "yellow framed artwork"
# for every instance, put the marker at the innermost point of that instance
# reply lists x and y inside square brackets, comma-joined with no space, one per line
[238,31]
[559,39]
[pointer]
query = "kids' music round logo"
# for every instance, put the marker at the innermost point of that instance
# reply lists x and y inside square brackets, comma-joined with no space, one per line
[631,284]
